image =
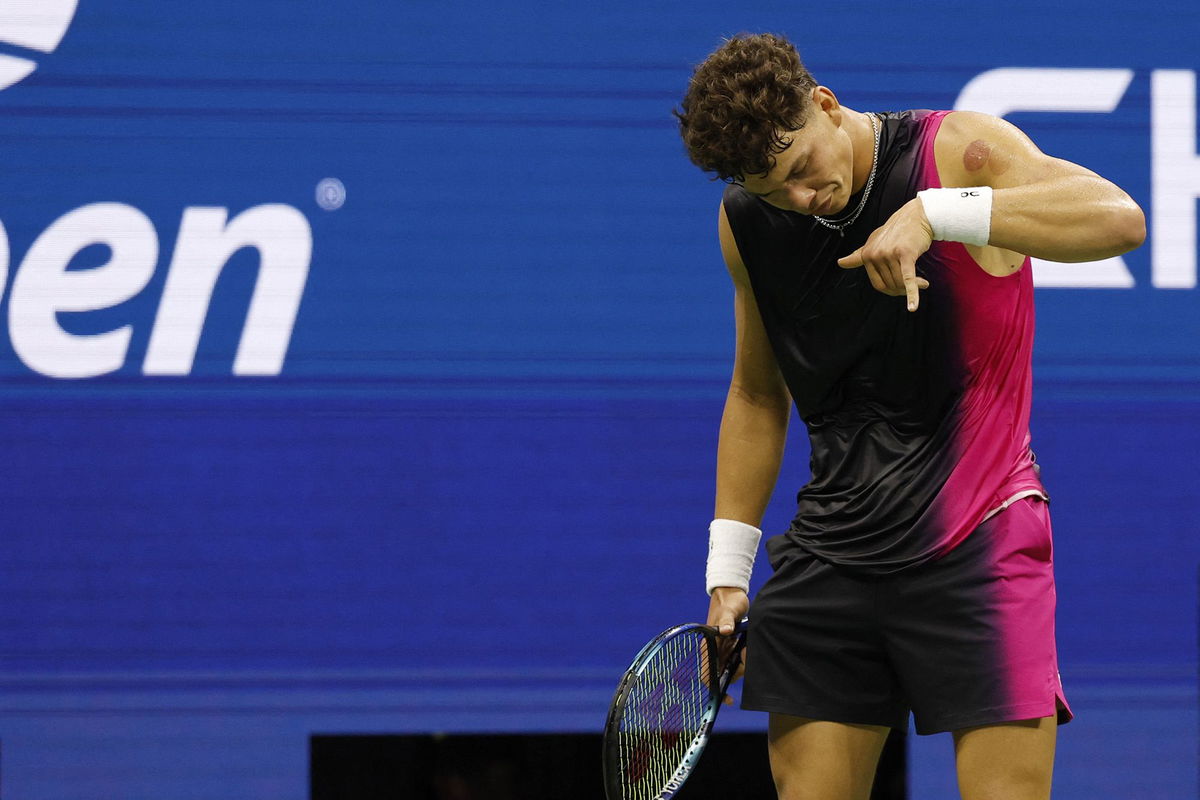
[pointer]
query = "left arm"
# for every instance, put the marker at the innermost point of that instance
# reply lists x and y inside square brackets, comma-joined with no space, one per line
[1041,206]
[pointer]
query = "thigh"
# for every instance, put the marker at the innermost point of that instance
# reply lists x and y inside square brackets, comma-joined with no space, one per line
[1013,760]
[817,760]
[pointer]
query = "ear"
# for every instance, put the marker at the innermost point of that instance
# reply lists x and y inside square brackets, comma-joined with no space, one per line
[825,101]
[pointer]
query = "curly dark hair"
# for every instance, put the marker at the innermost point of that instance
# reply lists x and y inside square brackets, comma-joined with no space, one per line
[740,101]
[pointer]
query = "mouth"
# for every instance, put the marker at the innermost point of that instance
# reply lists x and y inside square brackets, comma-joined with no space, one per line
[829,206]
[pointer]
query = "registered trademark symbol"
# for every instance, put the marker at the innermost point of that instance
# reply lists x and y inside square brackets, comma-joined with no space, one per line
[331,194]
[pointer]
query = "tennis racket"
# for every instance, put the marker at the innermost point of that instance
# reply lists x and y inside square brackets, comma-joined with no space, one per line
[664,710]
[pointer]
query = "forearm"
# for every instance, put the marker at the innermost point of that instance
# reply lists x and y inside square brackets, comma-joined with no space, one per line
[749,453]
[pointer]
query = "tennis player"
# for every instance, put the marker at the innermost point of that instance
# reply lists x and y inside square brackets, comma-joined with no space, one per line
[882,284]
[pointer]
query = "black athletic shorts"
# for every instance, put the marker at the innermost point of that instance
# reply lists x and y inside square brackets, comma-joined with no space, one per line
[962,641]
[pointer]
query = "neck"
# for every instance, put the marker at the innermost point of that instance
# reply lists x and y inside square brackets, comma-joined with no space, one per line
[862,142]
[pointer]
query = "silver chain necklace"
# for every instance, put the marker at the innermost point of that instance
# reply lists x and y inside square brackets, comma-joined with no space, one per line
[841,225]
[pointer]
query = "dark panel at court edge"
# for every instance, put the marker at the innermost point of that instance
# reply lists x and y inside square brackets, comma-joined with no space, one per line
[529,767]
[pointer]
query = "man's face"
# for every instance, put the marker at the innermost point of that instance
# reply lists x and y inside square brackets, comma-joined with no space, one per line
[814,174]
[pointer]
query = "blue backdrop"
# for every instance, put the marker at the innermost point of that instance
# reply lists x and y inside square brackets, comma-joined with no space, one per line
[363,362]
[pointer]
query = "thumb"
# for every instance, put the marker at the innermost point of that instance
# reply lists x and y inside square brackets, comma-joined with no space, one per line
[852,260]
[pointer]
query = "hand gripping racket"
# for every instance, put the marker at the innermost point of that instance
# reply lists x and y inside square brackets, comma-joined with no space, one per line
[664,709]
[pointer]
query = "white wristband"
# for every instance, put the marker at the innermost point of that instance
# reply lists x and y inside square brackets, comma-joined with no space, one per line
[732,546]
[959,215]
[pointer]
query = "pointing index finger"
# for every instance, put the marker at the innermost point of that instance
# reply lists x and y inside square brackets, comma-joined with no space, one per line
[908,270]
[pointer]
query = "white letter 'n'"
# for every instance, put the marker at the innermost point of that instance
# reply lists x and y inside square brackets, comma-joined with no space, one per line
[283,238]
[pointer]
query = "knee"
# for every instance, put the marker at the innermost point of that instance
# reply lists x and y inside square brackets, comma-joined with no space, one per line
[823,787]
[1021,782]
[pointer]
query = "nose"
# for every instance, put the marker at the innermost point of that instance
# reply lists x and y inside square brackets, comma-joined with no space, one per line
[802,199]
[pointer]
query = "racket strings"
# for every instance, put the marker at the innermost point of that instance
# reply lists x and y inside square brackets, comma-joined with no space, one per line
[664,714]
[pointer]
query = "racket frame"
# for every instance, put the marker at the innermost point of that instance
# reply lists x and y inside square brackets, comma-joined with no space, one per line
[718,688]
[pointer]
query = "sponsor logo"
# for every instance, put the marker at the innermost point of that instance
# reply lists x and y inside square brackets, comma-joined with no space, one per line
[45,286]
[33,25]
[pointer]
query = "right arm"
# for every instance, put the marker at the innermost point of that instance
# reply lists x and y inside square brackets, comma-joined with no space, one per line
[753,426]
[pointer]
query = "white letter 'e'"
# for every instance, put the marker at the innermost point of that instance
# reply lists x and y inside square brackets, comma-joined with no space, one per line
[44,287]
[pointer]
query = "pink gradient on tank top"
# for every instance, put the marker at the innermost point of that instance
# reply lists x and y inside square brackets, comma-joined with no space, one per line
[995,319]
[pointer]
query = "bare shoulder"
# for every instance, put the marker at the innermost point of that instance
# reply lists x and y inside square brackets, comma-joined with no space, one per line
[961,128]
[729,249]
[974,149]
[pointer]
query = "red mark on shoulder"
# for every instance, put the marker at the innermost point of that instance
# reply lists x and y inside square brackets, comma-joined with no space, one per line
[980,154]
[975,157]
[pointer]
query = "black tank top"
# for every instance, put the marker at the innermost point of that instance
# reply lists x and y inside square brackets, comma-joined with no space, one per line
[917,421]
